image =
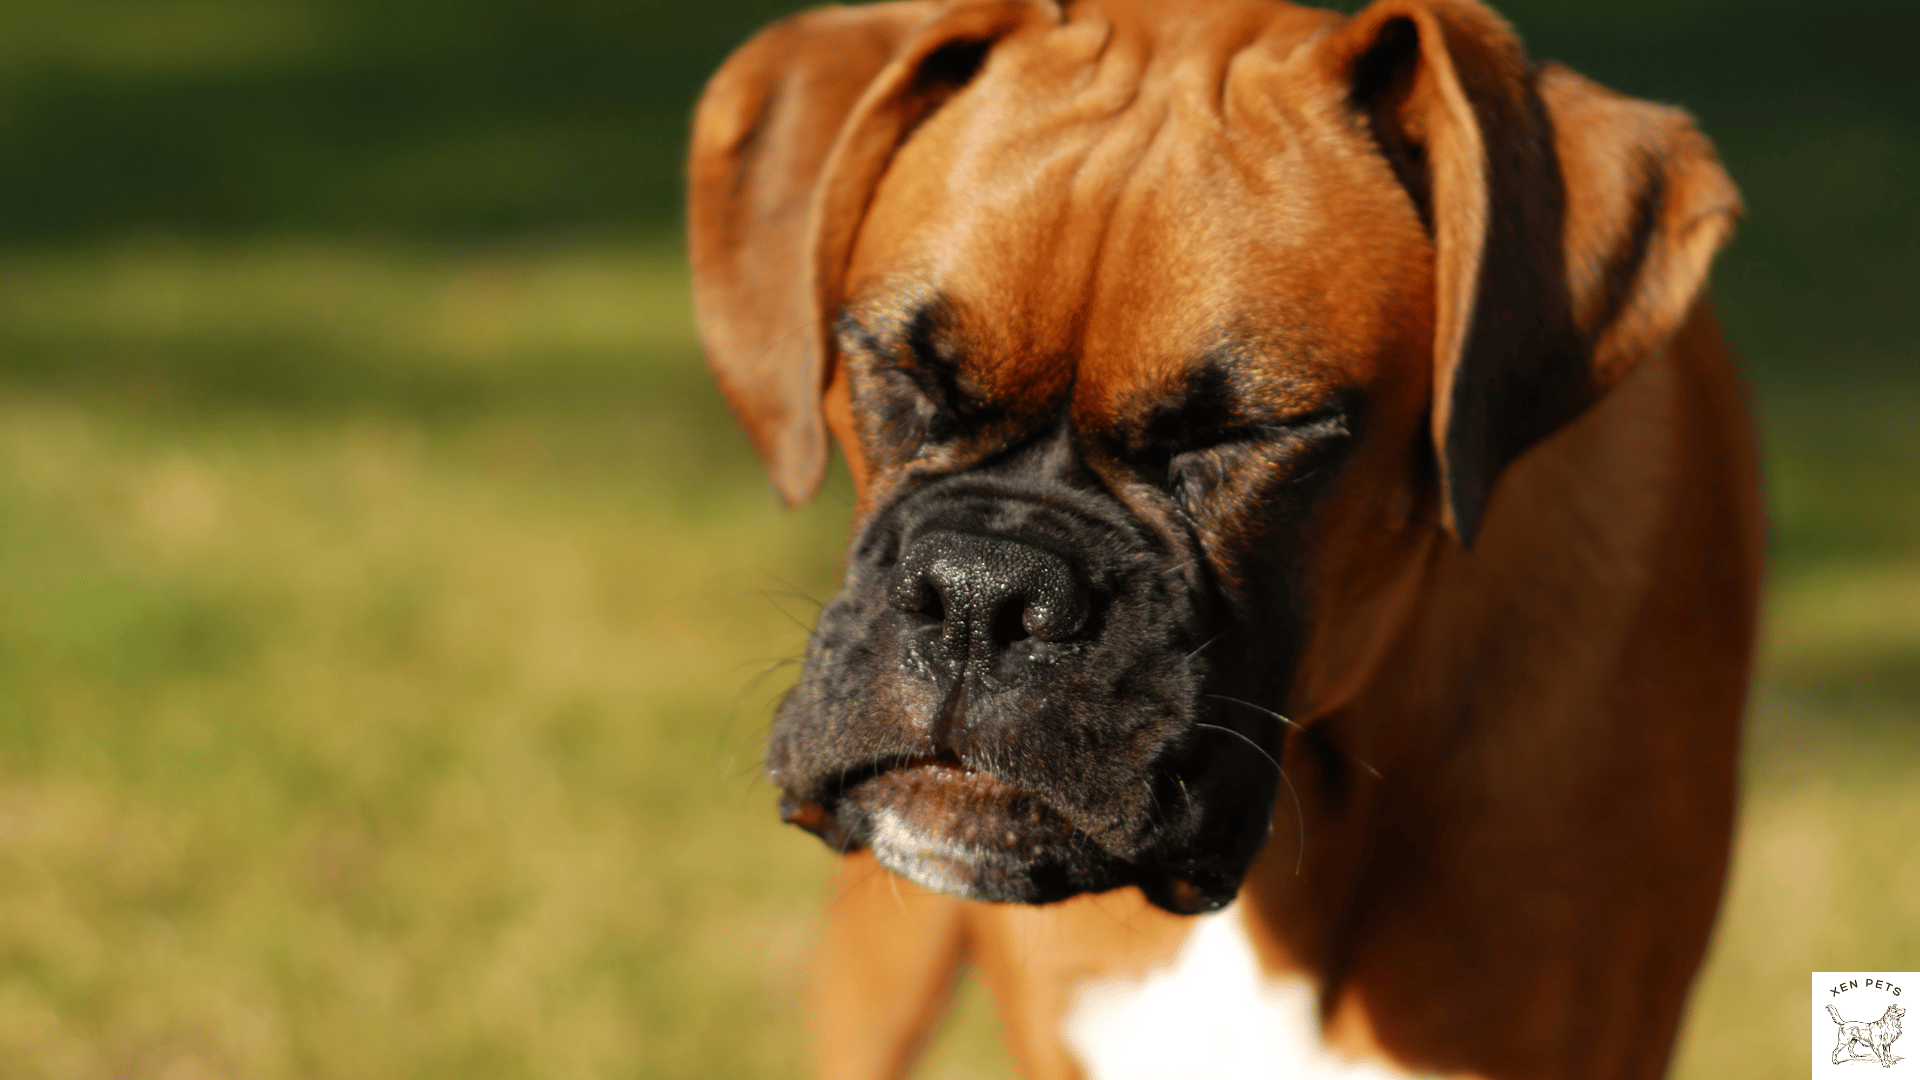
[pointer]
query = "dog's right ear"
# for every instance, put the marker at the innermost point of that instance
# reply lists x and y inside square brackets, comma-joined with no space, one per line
[789,141]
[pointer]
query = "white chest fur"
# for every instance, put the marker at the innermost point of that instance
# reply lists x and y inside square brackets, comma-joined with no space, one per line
[1210,1015]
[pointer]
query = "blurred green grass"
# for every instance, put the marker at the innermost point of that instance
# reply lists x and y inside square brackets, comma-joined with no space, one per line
[387,707]
[387,634]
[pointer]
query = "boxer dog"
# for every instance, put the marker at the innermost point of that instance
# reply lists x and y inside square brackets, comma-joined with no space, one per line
[1295,462]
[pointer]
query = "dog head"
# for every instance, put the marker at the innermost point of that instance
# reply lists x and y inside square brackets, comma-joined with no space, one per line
[1157,336]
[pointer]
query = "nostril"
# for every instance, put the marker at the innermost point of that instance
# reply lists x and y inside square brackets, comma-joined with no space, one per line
[933,608]
[1010,623]
[912,594]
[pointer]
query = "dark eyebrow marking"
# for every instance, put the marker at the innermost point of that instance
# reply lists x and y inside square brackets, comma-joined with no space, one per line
[924,335]
[1230,392]
[906,328]
[916,342]
[1203,405]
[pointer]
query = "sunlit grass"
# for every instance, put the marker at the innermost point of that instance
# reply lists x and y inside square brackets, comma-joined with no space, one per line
[387,636]
[334,749]
[405,726]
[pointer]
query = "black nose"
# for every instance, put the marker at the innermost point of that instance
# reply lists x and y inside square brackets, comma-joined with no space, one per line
[987,593]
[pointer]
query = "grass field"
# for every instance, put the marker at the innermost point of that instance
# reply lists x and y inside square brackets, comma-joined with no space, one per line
[386,638]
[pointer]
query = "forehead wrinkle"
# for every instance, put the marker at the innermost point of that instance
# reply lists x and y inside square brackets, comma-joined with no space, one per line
[1157,286]
[1178,98]
[1028,179]
[1017,197]
[1220,229]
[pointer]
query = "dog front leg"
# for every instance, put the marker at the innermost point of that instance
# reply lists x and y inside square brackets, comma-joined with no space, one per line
[887,967]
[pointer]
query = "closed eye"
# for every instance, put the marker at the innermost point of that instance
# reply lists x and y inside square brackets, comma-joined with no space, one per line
[1330,422]
[1284,451]
[1157,462]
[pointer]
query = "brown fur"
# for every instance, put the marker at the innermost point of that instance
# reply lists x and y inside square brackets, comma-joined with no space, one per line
[1521,610]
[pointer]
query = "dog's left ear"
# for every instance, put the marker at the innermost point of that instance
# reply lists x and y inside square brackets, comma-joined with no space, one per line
[789,140]
[1572,226]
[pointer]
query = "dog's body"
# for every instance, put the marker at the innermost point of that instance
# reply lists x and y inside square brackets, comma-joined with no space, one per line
[1176,351]
[1860,1040]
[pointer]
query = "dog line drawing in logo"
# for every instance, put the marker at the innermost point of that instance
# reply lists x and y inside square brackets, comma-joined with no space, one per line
[1863,1041]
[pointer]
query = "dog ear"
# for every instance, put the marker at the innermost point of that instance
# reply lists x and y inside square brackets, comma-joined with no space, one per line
[789,139]
[1572,226]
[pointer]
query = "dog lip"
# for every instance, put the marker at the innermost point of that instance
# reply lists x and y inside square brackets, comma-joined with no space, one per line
[963,831]
[810,816]
[853,778]
[815,808]
[942,772]
[913,813]
[1189,893]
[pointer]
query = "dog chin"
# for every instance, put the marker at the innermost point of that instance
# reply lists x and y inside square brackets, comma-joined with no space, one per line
[966,833]
[939,863]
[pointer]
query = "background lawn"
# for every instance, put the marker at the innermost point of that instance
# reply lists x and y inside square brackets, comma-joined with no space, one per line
[390,613]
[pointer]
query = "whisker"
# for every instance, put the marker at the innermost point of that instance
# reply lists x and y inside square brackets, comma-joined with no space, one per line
[893,882]
[1258,749]
[773,663]
[1299,811]
[1259,708]
[794,590]
[769,596]
[1300,824]
[1357,759]
[726,732]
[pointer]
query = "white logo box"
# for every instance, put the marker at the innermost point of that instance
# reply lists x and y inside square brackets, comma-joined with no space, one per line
[1862,999]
